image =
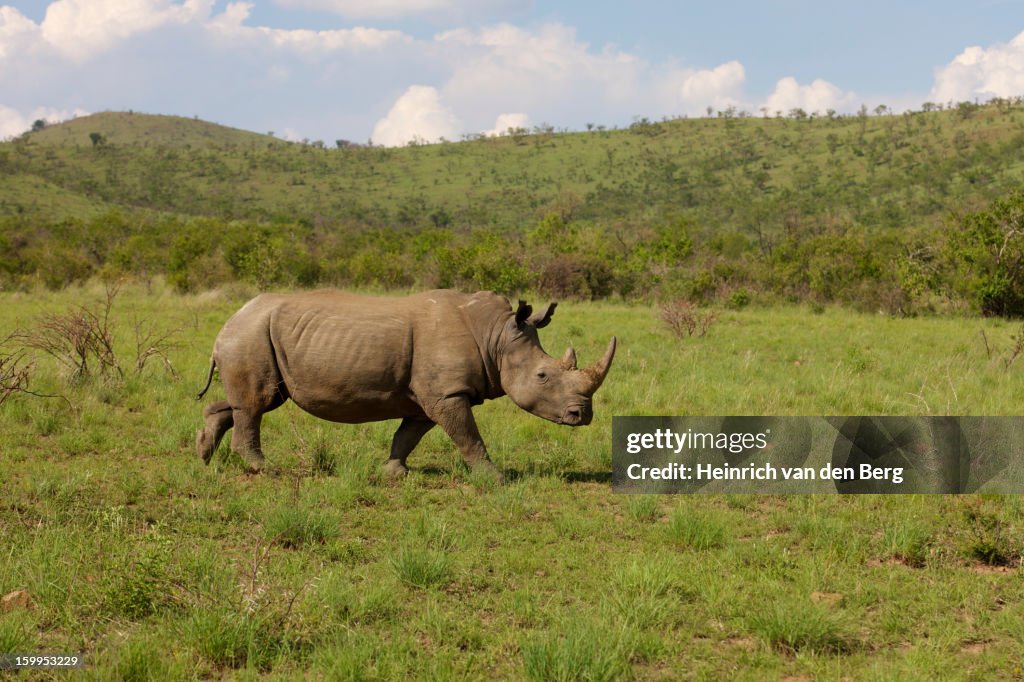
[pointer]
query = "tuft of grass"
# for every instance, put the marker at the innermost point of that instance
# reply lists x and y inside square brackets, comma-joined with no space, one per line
[352,659]
[699,530]
[16,633]
[140,661]
[432,531]
[581,650]
[323,458]
[293,527]
[907,540]
[795,627]
[644,508]
[644,594]
[420,567]
[224,638]
[359,604]
[231,638]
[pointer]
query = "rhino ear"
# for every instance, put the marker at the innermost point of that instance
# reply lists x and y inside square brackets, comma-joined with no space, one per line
[523,313]
[541,320]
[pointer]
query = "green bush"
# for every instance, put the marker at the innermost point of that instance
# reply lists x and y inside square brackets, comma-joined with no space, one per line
[987,252]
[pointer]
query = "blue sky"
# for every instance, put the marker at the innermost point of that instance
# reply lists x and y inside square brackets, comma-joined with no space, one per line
[395,70]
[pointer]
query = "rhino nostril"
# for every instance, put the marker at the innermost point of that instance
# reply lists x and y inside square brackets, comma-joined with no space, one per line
[575,412]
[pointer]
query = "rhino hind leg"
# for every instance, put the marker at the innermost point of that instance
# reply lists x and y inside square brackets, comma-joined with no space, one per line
[407,437]
[245,439]
[217,419]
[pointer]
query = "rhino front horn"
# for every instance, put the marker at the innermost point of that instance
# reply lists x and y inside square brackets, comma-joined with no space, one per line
[600,369]
[568,360]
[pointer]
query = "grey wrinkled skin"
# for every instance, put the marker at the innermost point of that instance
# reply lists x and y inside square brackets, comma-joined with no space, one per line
[425,359]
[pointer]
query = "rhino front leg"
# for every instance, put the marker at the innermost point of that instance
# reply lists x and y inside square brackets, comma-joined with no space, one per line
[456,418]
[407,437]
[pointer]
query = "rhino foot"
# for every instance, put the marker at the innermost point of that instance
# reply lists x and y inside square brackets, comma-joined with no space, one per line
[394,469]
[253,463]
[203,448]
[486,471]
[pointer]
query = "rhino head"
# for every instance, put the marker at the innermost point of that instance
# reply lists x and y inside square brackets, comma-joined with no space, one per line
[548,387]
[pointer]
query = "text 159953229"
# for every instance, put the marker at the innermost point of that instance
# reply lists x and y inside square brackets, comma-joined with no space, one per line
[19,661]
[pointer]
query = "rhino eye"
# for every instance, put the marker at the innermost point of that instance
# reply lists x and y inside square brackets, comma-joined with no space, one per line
[542,376]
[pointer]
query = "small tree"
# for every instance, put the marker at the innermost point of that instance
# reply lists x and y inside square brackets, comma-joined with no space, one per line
[989,250]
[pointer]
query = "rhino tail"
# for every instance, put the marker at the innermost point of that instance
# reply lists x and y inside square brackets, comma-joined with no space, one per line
[209,379]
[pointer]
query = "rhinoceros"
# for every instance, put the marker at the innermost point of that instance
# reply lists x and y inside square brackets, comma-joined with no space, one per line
[425,359]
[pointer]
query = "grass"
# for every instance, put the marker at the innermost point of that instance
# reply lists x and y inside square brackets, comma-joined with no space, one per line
[155,566]
[801,627]
[699,530]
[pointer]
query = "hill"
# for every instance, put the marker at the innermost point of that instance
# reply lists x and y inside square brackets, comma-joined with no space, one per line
[145,130]
[706,207]
[744,174]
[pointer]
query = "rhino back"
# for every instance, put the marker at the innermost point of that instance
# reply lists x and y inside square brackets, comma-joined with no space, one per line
[352,358]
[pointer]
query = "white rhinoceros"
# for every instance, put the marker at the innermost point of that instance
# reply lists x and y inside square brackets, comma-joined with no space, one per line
[425,359]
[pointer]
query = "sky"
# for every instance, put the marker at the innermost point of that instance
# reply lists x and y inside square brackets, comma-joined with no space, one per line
[395,71]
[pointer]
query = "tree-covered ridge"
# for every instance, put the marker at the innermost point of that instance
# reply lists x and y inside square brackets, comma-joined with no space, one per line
[747,174]
[856,209]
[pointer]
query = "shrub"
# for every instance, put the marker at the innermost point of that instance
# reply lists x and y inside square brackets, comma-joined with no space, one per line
[738,299]
[60,266]
[575,276]
[14,373]
[81,341]
[684,318]
[989,543]
[140,583]
[988,249]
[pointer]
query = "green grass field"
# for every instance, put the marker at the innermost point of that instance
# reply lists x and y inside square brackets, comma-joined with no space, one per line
[156,567]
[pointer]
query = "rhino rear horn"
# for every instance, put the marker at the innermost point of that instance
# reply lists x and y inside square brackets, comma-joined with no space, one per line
[599,370]
[568,360]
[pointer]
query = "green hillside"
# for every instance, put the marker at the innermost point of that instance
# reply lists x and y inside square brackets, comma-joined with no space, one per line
[742,173]
[143,130]
[697,206]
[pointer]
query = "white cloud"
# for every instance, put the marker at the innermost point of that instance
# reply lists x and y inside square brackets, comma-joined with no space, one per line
[14,123]
[81,28]
[690,91]
[390,9]
[184,57]
[418,115]
[16,31]
[506,122]
[231,25]
[546,73]
[996,71]
[818,97]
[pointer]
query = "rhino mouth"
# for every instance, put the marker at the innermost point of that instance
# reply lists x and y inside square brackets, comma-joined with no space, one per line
[576,415]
